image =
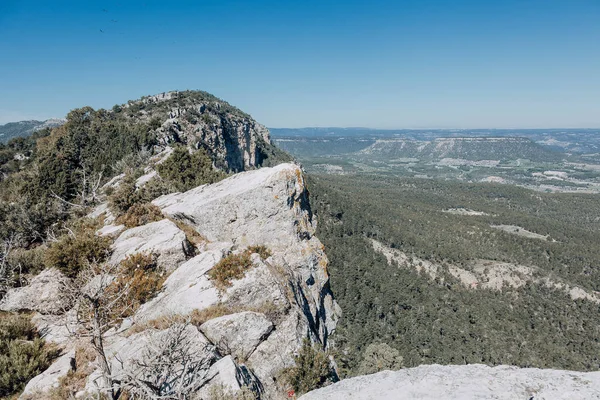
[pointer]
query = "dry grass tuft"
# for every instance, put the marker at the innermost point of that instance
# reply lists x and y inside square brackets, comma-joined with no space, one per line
[140,214]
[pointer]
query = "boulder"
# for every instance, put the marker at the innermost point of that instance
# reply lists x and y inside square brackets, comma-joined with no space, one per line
[238,334]
[56,329]
[277,351]
[49,379]
[187,288]
[257,288]
[162,238]
[465,382]
[44,294]
[128,353]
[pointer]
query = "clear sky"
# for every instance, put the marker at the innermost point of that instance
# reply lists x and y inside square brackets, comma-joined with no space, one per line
[380,64]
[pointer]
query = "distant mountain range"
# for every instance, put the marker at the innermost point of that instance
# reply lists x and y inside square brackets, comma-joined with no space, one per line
[25,128]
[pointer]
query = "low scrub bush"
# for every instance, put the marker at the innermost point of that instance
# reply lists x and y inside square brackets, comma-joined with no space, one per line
[185,171]
[140,214]
[125,195]
[262,251]
[28,261]
[234,266]
[77,248]
[23,354]
[312,369]
[140,278]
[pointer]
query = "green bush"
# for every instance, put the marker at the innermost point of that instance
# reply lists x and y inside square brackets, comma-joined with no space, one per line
[125,195]
[23,354]
[312,369]
[185,171]
[380,357]
[77,248]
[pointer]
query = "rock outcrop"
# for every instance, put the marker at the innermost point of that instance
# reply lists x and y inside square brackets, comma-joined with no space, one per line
[465,382]
[245,332]
[44,294]
[162,238]
[235,141]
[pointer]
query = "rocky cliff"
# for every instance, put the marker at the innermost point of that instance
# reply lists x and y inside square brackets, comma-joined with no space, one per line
[254,326]
[235,141]
[465,382]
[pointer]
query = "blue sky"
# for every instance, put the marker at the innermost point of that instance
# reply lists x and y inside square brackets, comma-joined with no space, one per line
[381,64]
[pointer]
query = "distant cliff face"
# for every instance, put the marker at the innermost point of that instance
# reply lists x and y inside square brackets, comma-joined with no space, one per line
[235,141]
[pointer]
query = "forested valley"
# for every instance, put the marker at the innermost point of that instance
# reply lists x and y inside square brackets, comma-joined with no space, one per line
[441,320]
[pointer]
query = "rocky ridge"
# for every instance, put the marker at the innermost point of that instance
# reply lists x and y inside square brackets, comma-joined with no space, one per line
[280,301]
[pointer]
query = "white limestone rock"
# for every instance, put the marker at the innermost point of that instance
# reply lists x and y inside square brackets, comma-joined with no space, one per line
[57,329]
[465,382]
[125,353]
[186,289]
[162,238]
[237,334]
[48,379]
[267,207]
[110,230]
[44,294]
[258,288]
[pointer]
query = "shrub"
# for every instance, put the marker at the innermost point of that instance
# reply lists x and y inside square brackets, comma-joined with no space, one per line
[234,266]
[186,171]
[78,248]
[262,251]
[28,261]
[140,214]
[311,371]
[380,357]
[23,354]
[139,276]
[125,195]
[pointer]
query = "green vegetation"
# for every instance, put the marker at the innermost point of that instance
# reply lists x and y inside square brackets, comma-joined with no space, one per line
[185,171]
[140,279]
[312,369]
[442,321]
[77,248]
[23,354]
[380,357]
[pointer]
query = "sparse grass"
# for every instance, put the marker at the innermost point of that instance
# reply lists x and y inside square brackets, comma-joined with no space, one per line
[139,275]
[198,317]
[192,235]
[262,251]
[75,379]
[234,266]
[140,214]
[221,392]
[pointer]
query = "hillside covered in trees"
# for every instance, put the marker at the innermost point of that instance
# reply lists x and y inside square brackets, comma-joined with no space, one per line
[454,227]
